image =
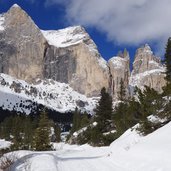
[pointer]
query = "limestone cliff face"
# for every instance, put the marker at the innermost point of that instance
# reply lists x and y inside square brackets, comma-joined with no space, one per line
[120,70]
[21,46]
[75,60]
[147,70]
[70,56]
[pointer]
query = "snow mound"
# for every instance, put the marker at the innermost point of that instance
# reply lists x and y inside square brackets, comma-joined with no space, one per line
[149,153]
[127,140]
[58,96]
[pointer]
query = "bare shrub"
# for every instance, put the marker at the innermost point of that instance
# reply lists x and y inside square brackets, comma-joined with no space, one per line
[6,161]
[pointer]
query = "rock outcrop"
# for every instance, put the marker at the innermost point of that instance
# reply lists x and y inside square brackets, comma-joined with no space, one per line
[21,46]
[147,70]
[120,70]
[73,58]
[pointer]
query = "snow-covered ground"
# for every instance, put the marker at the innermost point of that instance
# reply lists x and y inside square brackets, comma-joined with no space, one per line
[130,152]
[4,144]
[58,96]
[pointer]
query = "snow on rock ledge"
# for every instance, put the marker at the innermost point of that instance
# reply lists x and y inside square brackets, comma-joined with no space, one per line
[2,22]
[147,70]
[65,37]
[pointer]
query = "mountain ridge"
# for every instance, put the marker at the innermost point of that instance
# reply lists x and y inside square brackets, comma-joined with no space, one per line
[70,56]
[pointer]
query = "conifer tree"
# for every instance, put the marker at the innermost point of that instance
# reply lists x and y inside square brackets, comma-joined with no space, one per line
[57,131]
[120,117]
[104,108]
[150,102]
[42,134]
[122,91]
[84,120]
[167,61]
[76,120]
[27,133]
[103,112]
[17,132]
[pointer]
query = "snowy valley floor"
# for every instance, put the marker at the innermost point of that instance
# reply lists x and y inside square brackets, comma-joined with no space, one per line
[130,152]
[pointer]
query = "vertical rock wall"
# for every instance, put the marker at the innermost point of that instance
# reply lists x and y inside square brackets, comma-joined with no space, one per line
[22,46]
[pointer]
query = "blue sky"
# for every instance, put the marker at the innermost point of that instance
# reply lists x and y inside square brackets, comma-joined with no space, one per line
[112,24]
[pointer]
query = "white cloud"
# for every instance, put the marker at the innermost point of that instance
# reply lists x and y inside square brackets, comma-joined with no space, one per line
[128,22]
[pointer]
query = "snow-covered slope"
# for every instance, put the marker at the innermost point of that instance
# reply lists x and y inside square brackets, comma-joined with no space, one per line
[130,152]
[65,37]
[58,96]
[150,153]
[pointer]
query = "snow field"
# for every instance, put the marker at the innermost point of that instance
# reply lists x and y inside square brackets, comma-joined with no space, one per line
[130,152]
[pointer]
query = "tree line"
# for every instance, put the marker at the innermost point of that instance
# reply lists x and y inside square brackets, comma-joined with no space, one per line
[30,133]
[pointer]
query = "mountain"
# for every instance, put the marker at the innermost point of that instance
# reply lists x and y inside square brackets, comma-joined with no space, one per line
[68,55]
[22,46]
[73,58]
[120,70]
[65,65]
[22,97]
[147,70]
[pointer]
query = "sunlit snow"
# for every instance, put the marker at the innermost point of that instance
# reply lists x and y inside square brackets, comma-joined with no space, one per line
[130,152]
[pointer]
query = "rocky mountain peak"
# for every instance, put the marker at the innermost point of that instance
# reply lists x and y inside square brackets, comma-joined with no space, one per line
[147,70]
[17,17]
[147,49]
[15,6]
[73,58]
[119,70]
[21,46]
[145,60]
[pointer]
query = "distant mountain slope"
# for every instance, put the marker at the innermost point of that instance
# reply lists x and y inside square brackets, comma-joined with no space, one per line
[15,94]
